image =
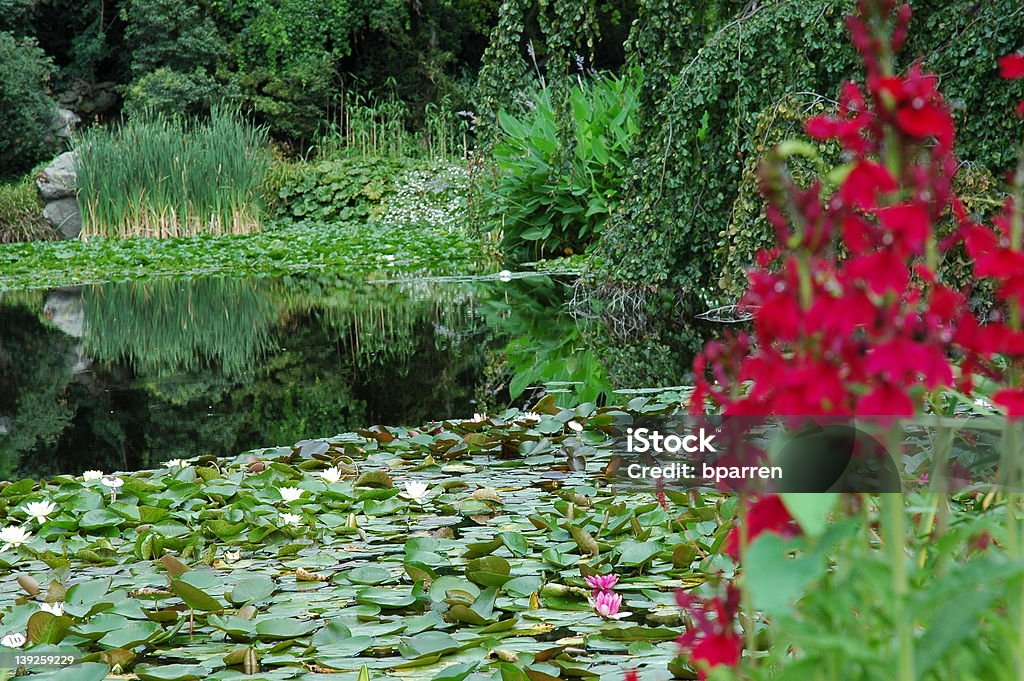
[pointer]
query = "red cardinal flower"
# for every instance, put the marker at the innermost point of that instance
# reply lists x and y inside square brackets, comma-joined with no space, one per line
[1012,400]
[865,182]
[767,514]
[712,642]
[1011,67]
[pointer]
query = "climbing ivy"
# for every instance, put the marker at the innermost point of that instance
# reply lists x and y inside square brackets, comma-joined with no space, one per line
[717,76]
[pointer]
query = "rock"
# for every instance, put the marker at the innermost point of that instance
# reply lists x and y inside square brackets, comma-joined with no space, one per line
[65,217]
[65,310]
[59,180]
[63,122]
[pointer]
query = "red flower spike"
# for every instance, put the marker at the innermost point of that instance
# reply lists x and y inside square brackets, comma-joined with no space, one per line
[1011,67]
[864,183]
[767,514]
[1012,400]
[711,642]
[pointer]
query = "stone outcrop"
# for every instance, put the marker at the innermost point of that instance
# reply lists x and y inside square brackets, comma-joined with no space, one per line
[58,185]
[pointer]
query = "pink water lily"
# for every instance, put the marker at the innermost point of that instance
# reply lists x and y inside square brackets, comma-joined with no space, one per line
[606,604]
[600,583]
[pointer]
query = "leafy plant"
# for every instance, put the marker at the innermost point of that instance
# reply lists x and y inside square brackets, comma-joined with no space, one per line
[21,212]
[558,181]
[26,107]
[166,177]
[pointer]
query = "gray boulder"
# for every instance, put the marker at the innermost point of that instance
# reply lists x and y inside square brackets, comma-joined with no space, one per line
[63,122]
[65,217]
[59,180]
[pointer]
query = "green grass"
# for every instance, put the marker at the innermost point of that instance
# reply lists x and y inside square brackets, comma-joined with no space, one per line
[21,212]
[355,249]
[168,177]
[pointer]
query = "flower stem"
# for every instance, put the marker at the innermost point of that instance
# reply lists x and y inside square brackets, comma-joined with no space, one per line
[895,541]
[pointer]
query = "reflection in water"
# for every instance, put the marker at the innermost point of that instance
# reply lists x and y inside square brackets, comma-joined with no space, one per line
[122,376]
[167,326]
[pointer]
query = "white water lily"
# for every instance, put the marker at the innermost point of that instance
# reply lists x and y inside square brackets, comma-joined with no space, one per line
[290,494]
[56,609]
[112,481]
[14,536]
[530,417]
[477,418]
[13,640]
[416,491]
[92,475]
[176,463]
[39,510]
[330,475]
[575,426]
[291,518]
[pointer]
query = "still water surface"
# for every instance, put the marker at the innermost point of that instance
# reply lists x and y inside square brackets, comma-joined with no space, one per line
[124,376]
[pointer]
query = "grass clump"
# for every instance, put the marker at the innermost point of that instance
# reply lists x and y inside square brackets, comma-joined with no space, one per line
[168,177]
[21,213]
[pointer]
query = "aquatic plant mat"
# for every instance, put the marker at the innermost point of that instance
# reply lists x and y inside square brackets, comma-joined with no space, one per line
[204,570]
[368,249]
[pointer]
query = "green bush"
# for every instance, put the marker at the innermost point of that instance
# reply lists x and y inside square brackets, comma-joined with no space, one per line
[558,182]
[175,51]
[339,189]
[21,212]
[166,177]
[26,108]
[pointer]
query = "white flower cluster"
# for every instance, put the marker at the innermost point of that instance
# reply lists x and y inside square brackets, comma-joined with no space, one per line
[434,197]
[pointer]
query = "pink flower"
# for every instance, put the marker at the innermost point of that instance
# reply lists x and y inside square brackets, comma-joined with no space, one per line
[606,603]
[602,583]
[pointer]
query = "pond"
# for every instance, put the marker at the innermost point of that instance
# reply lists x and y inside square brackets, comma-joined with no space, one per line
[125,376]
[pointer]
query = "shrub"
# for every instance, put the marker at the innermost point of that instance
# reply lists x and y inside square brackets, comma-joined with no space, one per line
[167,177]
[21,212]
[26,108]
[557,184]
[175,51]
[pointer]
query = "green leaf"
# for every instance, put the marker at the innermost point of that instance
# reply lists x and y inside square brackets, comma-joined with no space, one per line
[45,627]
[169,672]
[195,598]
[386,598]
[131,635]
[251,590]
[281,628]
[810,510]
[87,671]
[368,575]
[635,553]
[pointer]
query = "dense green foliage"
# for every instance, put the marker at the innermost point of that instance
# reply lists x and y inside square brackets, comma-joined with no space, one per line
[709,109]
[556,188]
[168,177]
[21,216]
[26,108]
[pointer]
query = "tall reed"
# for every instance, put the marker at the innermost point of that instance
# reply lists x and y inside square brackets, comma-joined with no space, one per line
[169,177]
[382,125]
